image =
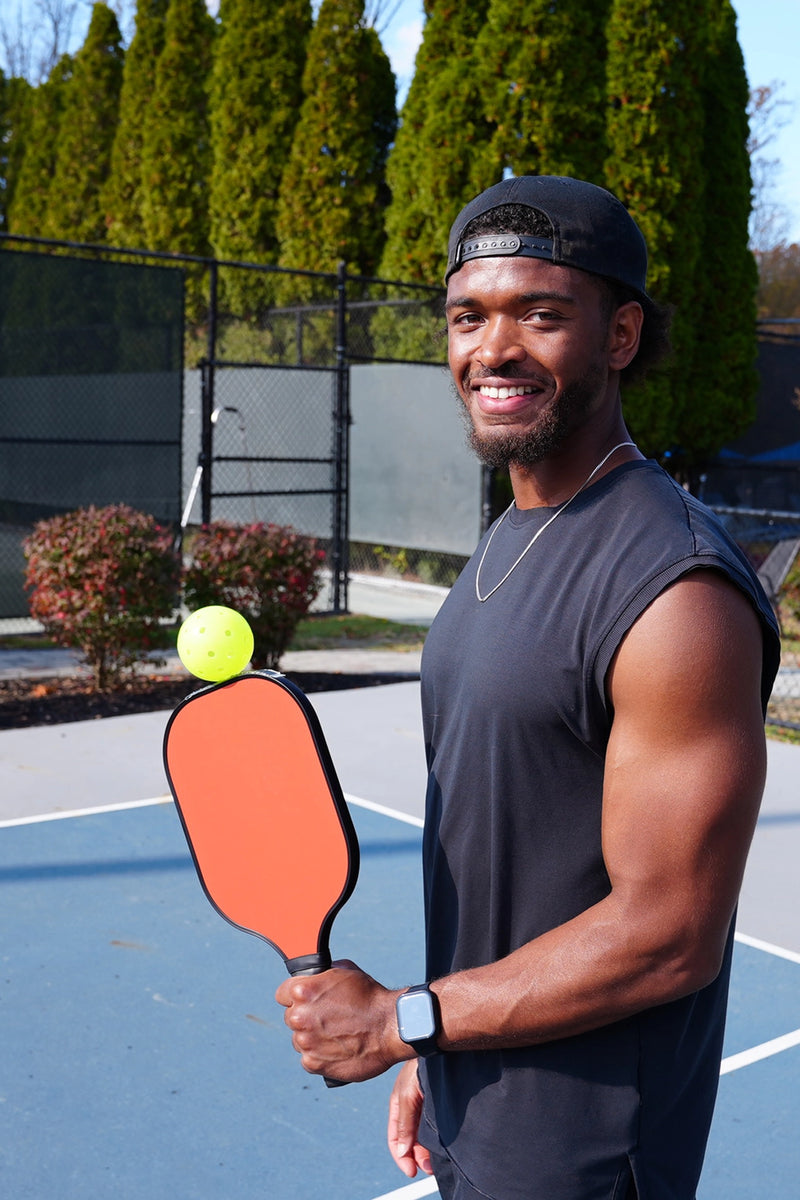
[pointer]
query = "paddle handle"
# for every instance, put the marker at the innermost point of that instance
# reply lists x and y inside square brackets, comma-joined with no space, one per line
[313,964]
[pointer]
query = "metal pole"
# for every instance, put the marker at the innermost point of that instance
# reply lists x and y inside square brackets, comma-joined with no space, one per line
[207,398]
[340,548]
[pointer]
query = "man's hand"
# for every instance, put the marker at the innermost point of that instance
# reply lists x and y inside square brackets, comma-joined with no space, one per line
[405,1108]
[343,1023]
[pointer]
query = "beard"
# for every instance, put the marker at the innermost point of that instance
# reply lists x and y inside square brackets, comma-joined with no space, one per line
[499,448]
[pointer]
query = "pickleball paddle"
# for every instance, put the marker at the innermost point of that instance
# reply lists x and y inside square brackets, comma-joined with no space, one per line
[265,818]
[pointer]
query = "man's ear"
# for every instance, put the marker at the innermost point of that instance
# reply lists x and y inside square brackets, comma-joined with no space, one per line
[624,332]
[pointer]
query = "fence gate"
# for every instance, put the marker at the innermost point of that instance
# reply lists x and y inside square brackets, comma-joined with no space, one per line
[274,448]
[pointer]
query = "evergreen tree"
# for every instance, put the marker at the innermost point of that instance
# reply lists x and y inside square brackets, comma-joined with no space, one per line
[176,155]
[16,104]
[333,192]
[724,377]
[86,133]
[541,66]
[440,159]
[656,52]
[28,206]
[123,193]
[256,94]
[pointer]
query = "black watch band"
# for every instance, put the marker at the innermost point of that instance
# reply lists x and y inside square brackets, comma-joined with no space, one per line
[419,1019]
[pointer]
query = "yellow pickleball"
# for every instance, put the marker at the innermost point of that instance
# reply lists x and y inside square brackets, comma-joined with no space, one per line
[215,643]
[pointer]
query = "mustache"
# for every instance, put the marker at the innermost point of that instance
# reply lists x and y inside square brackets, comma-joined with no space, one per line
[510,372]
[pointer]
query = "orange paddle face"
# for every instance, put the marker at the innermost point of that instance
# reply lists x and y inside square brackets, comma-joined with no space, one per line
[268,827]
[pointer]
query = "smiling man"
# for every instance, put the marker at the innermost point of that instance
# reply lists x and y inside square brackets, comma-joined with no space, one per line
[593,694]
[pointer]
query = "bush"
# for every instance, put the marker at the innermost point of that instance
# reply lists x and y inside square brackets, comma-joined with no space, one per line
[101,579]
[268,573]
[790,599]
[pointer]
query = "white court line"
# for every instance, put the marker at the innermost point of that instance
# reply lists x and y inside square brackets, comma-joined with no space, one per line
[767,947]
[427,1187]
[386,812]
[765,1050]
[85,812]
[420,1187]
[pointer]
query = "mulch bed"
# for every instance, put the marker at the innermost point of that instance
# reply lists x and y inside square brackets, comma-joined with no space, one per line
[59,700]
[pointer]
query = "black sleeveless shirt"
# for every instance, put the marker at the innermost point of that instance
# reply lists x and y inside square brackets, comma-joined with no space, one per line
[516,726]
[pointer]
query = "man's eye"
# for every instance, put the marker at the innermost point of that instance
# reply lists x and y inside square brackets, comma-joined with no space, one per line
[543,316]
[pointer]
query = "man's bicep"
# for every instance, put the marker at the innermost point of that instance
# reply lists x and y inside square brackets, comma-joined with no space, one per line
[686,759]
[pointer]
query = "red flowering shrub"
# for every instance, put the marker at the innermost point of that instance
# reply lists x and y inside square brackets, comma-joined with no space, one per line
[268,573]
[100,580]
[790,591]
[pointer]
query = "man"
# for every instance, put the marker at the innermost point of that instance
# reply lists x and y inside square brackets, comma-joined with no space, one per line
[593,694]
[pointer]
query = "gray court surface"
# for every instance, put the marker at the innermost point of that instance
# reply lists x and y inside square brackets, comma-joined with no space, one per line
[143,1054]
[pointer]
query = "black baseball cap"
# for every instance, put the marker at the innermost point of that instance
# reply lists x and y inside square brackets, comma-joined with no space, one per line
[592,229]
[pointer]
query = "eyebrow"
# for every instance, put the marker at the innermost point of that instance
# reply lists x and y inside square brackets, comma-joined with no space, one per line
[523,298]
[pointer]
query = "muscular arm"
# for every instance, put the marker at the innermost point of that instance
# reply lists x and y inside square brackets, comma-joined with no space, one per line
[684,775]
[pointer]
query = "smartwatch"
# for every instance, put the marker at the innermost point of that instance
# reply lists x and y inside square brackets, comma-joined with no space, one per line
[418,1019]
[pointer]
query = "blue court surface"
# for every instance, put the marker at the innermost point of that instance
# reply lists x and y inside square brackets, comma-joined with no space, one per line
[144,1056]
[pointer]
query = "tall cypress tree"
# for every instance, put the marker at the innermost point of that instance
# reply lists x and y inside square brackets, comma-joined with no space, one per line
[29,204]
[176,155]
[440,157]
[542,69]
[123,193]
[333,192]
[656,51]
[16,112]
[256,94]
[724,376]
[86,133]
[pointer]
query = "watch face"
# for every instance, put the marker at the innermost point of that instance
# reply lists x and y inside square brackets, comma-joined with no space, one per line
[416,1018]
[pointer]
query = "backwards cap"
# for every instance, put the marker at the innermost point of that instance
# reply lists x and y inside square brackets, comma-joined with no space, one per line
[592,230]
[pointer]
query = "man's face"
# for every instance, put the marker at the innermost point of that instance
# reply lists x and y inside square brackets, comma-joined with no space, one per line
[528,350]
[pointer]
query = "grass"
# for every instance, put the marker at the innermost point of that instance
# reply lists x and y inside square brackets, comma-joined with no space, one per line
[324,632]
[778,733]
[350,629]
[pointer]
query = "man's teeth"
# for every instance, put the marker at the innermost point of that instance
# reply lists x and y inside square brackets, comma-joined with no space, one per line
[503,393]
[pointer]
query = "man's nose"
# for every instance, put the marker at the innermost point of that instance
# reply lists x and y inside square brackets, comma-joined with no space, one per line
[500,343]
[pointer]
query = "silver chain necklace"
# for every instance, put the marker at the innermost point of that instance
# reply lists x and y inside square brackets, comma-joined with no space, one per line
[539,532]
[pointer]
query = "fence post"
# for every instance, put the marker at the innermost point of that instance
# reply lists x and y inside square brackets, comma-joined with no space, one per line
[341,545]
[207,398]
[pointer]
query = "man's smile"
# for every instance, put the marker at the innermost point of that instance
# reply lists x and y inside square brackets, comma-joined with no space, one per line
[503,393]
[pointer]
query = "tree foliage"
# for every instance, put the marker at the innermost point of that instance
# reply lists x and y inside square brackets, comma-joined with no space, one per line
[440,158]
[725,347]
[333,192]
[176,153]
[655,141]
[256,94]
[542,69]
[123,193]
[779,281]
[262,137]
[86,134]
[17,98]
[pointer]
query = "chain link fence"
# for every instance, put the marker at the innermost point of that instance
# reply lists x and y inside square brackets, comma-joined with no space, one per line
[771,540]
[262,358]
[199,390]
[91,377]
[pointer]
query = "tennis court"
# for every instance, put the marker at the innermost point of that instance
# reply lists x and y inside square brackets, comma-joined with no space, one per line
[143,1054]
